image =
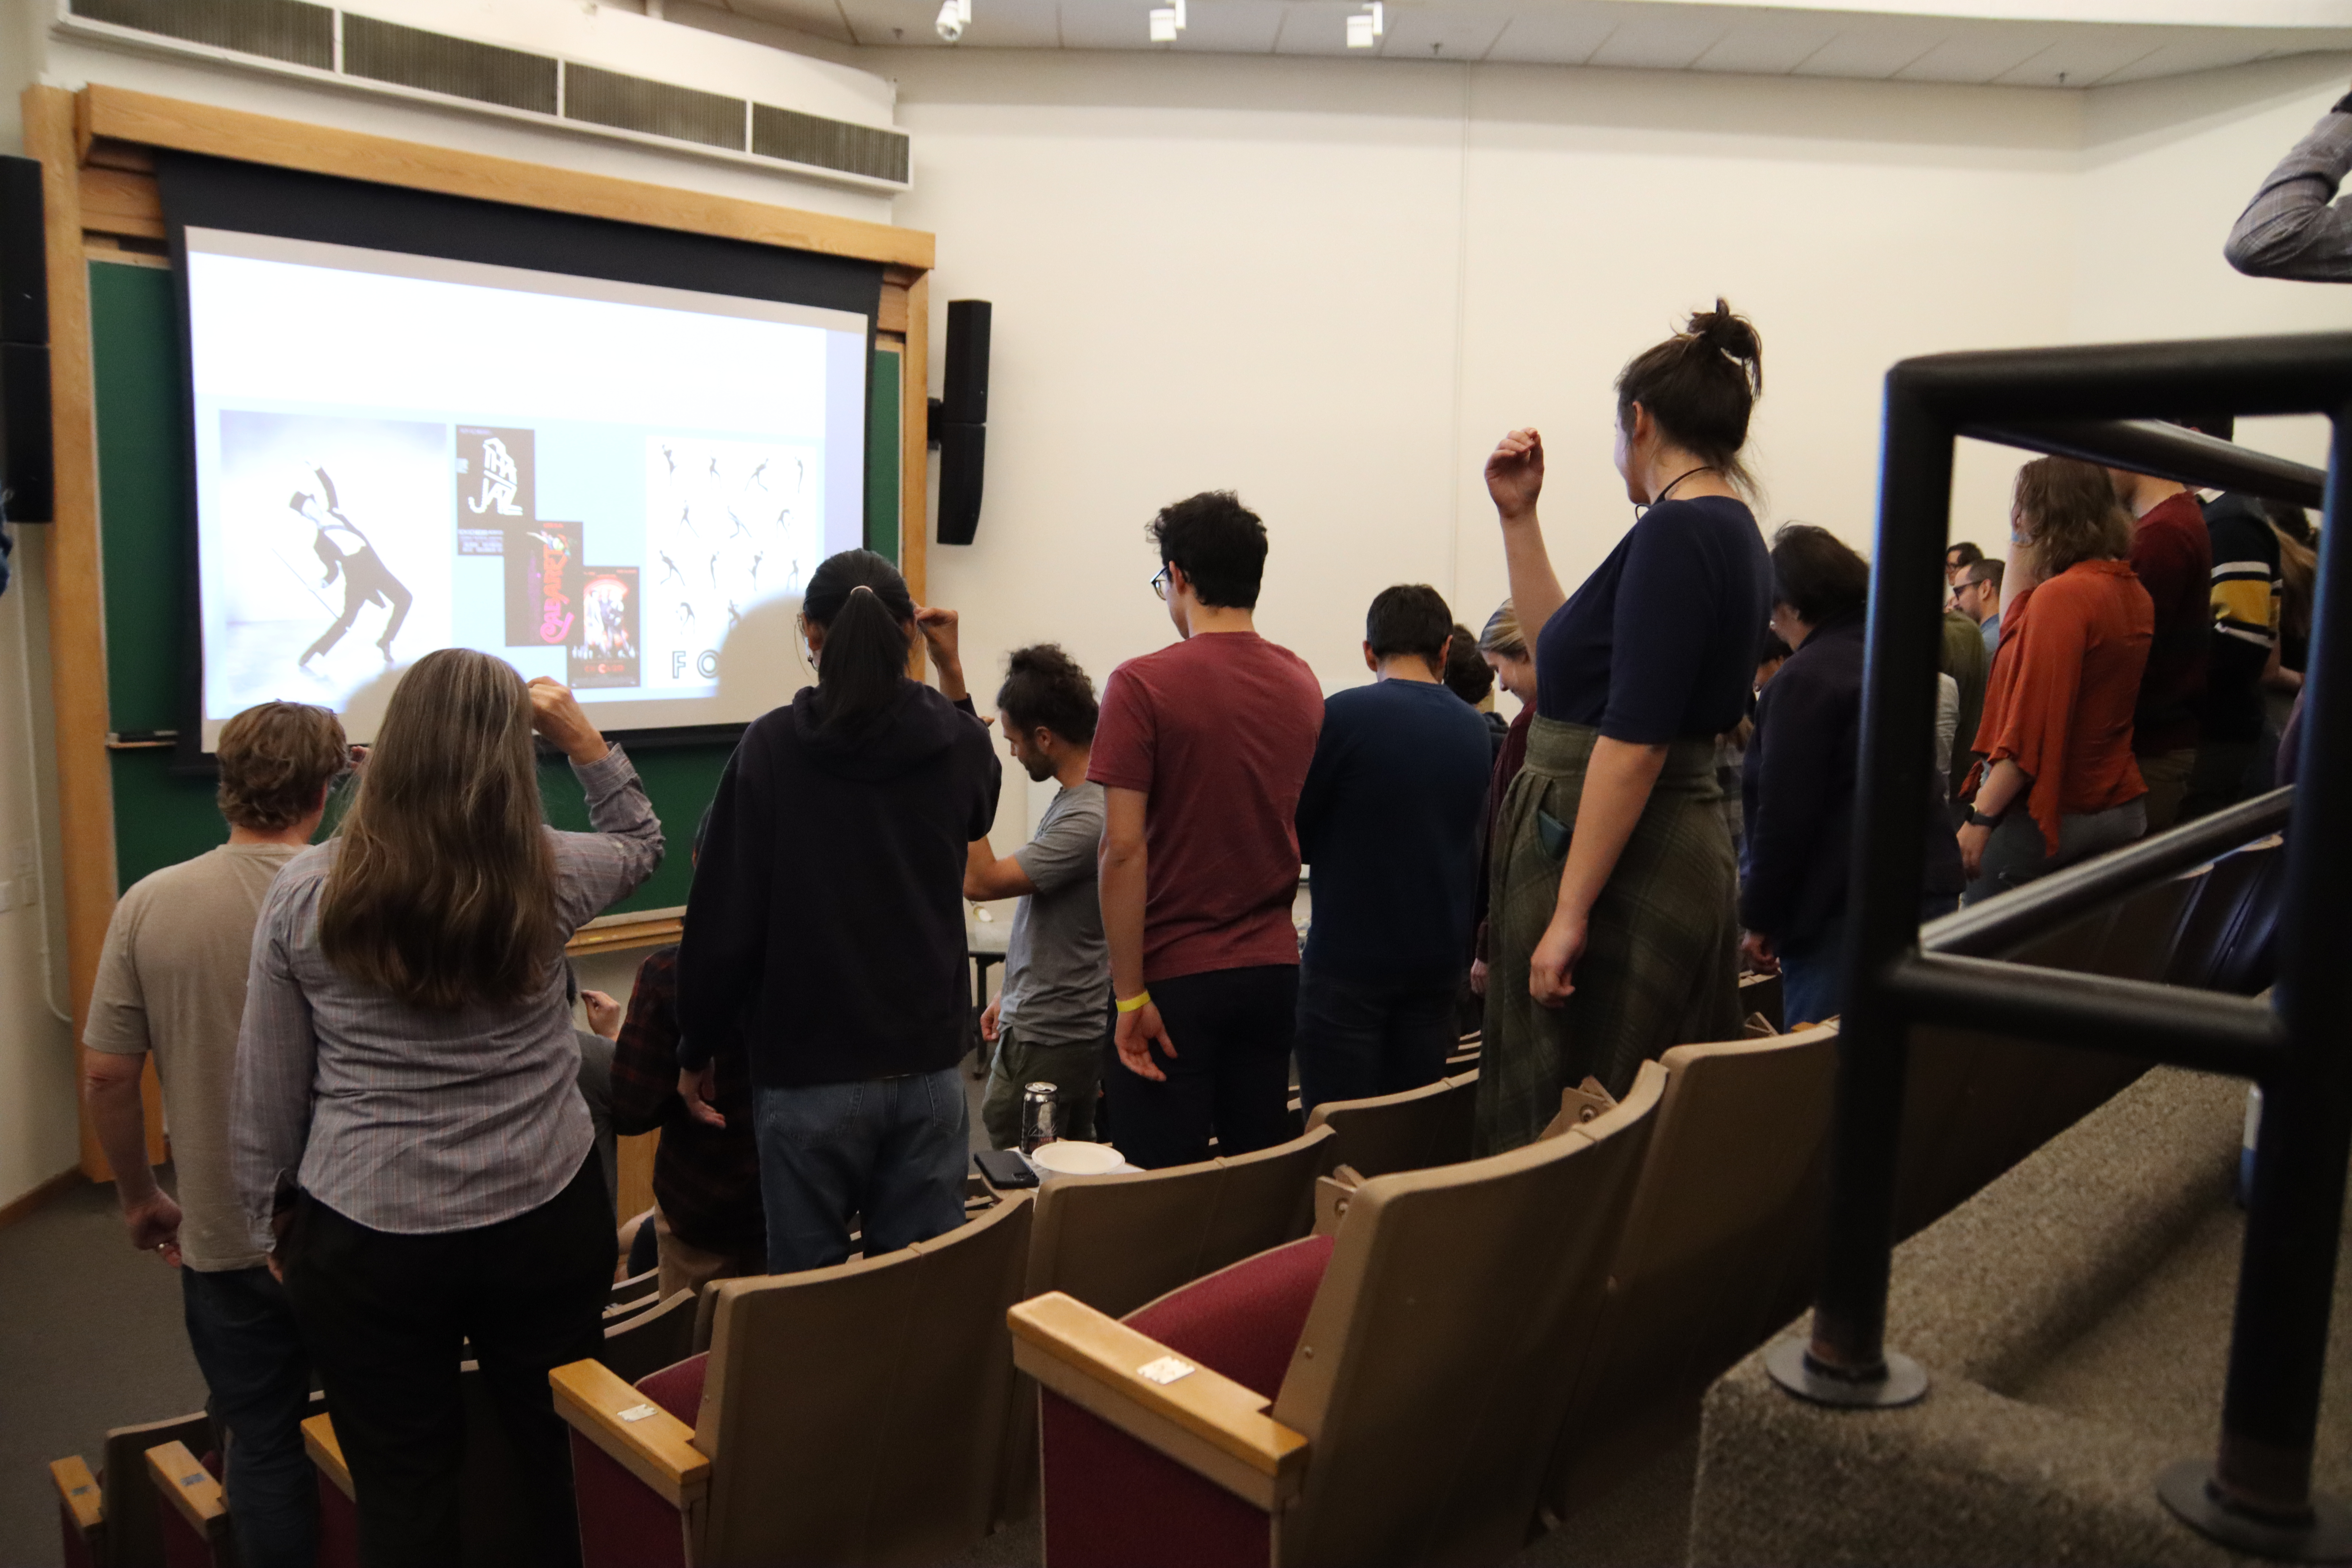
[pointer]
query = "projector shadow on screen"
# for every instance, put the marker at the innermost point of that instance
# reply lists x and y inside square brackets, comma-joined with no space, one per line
[759,663]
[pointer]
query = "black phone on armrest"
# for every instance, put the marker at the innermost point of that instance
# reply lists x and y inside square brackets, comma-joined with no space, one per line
[1005,1168]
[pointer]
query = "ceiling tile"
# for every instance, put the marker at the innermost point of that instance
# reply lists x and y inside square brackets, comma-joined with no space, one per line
[1765,50]
[1982,51]
[821,19]
[1556,36]
[1445,33]
[1107,24]
[1662,37]
[1875,47]
[2207,48]
[1220,27]
[1319,27]
[2081,56]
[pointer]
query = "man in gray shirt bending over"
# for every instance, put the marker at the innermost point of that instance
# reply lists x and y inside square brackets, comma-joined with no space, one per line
[1053,1018]
[171,980]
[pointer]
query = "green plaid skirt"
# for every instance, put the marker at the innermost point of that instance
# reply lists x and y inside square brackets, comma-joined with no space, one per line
[1660,965]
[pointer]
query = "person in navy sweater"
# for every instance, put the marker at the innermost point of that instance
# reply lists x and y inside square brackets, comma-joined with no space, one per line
[1392,819]
[1798,787]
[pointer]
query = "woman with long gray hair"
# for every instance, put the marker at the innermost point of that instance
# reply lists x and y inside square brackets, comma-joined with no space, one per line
[410,1147]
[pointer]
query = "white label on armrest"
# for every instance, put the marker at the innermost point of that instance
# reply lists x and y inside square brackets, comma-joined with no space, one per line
[1164,1371]
[636,1412]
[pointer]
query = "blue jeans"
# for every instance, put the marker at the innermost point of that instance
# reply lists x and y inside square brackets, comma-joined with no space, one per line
[891,1150]
[257,1375]
[1359,1038]
[1813,976]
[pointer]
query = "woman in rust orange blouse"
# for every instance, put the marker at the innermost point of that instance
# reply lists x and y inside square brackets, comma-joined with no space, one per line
[2058,784]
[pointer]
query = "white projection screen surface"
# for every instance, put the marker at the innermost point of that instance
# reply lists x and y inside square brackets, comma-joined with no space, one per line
[619,486]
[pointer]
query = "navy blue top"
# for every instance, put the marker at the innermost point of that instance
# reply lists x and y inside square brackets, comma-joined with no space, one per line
[1796,817]
[1392,819]
[1661,641]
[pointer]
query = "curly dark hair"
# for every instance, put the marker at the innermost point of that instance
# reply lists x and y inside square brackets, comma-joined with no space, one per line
[1043,685]
[1219,543]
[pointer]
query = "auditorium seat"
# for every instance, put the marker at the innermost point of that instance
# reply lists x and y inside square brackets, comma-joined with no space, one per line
[651,1339]
[1760,993]
[634,1294]
[1117,1241]
[1718,1249]
[112,1519]
[1408,1132]
[1383,1394]
[194,1513]
[851,1414]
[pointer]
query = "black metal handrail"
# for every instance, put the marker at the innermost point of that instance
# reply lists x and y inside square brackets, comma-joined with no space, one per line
[2255,1495]
[1989,929]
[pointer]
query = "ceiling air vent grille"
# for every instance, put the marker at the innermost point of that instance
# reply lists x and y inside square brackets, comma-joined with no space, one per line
[411,57]
[389,54]
[285,30]
[799,138]
[656,108]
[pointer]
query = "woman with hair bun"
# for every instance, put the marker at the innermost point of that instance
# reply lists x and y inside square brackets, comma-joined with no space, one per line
[825,934]
[1613,933]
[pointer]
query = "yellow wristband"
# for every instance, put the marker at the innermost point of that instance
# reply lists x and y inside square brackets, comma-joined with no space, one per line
[1137,1003]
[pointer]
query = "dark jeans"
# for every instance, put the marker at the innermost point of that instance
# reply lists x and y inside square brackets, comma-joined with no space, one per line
[1359,1038]
[1231,1074]
[387,1315]
[1812,982]
[891,1150]
[258,1376]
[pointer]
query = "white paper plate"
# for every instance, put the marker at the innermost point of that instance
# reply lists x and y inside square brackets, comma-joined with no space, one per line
[1068,1157]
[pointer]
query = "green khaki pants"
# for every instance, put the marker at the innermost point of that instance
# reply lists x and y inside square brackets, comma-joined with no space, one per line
[1073,1071]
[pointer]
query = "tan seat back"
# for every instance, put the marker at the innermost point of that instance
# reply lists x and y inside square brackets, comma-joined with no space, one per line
[134,1524]
[855,1414]
[1720,1238]
[661,1336]
[1115,1242]
[1408,1132]
[1438,1354]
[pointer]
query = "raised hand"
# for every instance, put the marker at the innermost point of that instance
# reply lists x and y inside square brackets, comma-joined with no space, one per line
[555,713]
[1515,474]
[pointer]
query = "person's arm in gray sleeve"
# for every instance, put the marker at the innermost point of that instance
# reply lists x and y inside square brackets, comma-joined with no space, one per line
[270,1098]
[2295,227]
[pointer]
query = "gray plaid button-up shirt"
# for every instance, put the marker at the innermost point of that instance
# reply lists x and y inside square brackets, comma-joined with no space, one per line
[409,1120]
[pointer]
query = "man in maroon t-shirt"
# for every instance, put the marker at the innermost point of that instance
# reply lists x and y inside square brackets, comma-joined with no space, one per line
[2173,555]
[1201,752]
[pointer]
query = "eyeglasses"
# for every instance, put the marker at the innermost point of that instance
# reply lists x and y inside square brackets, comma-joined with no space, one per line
[1159,581]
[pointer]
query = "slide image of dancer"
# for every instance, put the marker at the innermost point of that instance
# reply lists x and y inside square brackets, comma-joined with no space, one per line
[727,506]
[332,562]
[346,553]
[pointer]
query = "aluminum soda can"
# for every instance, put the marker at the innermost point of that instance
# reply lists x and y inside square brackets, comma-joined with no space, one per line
[1039,1123]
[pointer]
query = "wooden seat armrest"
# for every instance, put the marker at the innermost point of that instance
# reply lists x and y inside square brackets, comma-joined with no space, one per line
[653,1444]
[190,1487]
[1199,1419]
[77,1490]
[326,1451]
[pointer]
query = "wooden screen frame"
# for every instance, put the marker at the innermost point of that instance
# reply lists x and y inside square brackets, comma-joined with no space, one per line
[97,150]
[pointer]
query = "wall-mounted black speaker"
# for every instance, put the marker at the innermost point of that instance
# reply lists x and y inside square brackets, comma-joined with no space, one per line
[959,420]
[25,470]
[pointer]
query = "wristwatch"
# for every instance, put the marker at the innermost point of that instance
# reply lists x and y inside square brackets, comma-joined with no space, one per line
[1978,819]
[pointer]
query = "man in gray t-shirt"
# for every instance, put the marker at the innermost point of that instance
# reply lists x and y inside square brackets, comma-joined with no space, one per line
[171,982]
[1052,1019]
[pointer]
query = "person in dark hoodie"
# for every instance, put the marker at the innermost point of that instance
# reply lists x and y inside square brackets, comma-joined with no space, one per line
[1798,788]
[824,931]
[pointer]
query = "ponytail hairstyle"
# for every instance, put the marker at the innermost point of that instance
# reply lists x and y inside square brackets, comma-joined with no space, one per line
[1700,385]
[443,891]
[862,604]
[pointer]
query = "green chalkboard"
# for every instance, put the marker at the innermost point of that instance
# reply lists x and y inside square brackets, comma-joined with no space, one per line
[162,817]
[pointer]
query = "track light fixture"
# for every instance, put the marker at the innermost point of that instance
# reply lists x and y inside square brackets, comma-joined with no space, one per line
[1364,28]
[1166,21]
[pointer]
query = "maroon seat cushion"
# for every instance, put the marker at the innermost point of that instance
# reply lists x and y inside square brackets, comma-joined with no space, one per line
[1114,1503]
[1242,1321]
[677,1388]
[622,1524]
